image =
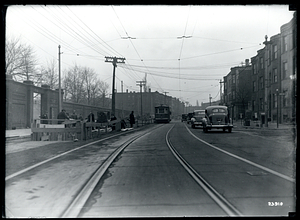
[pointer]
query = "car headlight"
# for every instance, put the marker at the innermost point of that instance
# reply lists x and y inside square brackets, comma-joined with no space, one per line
[193,119]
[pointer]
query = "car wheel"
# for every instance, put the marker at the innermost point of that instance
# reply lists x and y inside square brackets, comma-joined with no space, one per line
[229,130]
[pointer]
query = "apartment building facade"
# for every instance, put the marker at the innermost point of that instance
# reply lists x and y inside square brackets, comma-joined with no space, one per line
[237,90]
[269,82]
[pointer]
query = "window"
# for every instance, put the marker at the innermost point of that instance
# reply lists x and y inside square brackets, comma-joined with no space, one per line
[254,68]
[253,105]
[233,79]
[270,78]
[285,67]
[294,38]
[215,110]
[261,61]
[261,80]
[261,100]
[275,52]
[284,44]
[274,100]
[275,75]
[269,57]
[233,95]
[284,101]
[254,86]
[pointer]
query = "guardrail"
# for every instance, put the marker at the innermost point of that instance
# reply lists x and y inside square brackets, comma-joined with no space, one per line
[63,130]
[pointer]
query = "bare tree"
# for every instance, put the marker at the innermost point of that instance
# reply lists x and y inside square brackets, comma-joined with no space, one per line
[89,83]
[81,85]
[20,60]
[49,74]
[74,85]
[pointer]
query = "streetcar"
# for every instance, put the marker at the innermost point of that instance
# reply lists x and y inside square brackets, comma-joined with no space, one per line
[162,114]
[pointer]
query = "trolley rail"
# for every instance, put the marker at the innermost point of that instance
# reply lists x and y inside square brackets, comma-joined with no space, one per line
[82,197]
[217,197]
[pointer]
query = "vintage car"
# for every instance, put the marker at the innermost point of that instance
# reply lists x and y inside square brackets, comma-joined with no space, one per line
[217,117]
[196,120]
[189,117]
[183,117]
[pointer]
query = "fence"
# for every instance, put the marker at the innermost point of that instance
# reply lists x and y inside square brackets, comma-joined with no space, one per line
[51,130]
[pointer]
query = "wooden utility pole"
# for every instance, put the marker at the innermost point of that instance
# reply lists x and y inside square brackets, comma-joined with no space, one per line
[114,61]
[59,82]
[141,84]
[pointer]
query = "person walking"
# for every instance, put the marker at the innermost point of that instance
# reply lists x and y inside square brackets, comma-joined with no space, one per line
[131,119]
[62,115]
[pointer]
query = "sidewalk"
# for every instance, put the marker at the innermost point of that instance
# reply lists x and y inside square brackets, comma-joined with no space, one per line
[18,133]
[255,125]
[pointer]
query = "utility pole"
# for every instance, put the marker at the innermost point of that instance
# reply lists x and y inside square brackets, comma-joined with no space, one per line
[166,97]
[114,61]
[59,81]
[122,98]
[141,84]
[221,91]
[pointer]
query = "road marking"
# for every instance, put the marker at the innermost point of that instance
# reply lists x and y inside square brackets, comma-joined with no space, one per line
[243,159]
[214,195]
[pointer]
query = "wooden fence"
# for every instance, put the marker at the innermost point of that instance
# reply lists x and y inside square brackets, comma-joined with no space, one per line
[64,130]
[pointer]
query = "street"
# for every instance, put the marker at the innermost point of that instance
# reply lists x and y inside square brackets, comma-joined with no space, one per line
[253,170]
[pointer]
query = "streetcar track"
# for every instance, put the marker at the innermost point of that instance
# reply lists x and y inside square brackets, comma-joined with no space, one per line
[243,159]
[214,195]
[60,155]
[74,209]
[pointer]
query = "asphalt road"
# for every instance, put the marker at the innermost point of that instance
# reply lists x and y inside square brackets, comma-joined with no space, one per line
[147,180]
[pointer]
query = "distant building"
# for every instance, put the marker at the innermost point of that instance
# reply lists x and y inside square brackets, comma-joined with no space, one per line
[131,101]
[237,90]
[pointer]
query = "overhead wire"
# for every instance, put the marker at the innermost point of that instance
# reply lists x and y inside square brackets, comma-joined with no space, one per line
[132,43]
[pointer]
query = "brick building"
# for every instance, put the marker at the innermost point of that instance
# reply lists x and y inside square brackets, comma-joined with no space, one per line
[237,90]
[131,101]
[274,70]
[265,90]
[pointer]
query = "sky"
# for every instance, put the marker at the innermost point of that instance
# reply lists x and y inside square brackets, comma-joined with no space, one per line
[181,51]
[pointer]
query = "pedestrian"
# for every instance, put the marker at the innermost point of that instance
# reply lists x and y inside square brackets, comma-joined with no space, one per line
[62,115]
[91,117]
[131,119]
[74,115]
[44,116]
[123,124]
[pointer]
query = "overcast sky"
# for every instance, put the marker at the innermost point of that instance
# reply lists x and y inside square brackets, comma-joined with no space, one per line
[184,50]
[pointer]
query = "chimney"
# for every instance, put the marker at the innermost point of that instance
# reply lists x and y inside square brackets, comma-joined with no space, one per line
[247,62]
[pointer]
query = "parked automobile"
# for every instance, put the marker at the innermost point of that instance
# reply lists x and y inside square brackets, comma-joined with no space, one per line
[217,117]
[196,120]
[189,117]
[183,117]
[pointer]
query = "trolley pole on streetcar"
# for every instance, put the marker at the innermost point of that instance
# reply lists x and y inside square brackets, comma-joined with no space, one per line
[114,61]
[141,84]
